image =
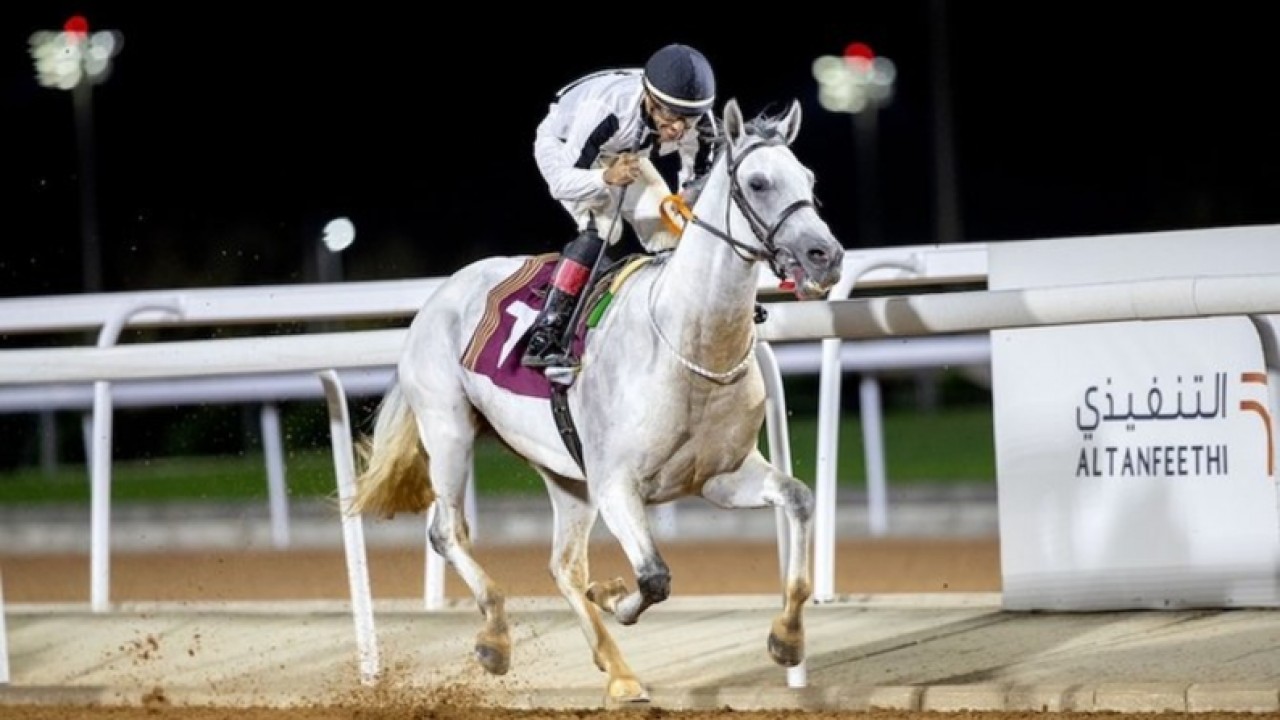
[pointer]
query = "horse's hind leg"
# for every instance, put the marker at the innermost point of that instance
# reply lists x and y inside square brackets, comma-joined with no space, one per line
[757,484]
[448,435]
[574,518]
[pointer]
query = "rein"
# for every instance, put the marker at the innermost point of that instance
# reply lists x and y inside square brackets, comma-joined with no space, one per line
[727,377]
[767,251]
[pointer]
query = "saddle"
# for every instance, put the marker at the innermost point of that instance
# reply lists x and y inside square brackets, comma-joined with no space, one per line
[611,279]
[494,351]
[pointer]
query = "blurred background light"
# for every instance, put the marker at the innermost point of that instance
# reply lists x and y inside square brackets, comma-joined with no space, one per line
[339,233]
[67,58]
[851,82]
[75,61]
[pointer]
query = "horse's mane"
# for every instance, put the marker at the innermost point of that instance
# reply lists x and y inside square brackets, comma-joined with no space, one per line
[767,126]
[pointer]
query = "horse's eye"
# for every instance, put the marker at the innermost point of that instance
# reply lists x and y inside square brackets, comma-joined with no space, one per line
[758,183]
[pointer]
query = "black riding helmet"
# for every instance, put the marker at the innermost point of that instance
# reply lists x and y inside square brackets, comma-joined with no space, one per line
[681,80]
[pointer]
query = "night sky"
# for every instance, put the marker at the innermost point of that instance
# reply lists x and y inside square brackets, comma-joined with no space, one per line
[227,137]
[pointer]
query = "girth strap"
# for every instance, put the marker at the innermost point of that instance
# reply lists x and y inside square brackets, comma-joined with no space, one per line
[564,421]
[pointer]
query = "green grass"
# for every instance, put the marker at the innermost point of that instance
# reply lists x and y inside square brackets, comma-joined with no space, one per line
[948,447]
[954,446]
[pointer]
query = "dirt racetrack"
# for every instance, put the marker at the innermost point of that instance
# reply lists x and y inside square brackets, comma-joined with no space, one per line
[863,566]
[709,568]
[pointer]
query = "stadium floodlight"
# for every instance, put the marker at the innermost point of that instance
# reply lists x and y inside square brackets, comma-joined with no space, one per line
[855,81]
[859,83]
[73,59]
[65,59]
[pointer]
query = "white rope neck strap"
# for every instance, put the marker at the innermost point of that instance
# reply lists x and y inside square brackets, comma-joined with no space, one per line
[724,378]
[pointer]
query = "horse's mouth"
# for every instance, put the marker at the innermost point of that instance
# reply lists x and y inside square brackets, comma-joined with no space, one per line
[805,286]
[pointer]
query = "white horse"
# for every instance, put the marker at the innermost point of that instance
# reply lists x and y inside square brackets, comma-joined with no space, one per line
[669,401]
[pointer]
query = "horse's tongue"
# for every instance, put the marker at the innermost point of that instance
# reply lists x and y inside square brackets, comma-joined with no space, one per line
[791,283]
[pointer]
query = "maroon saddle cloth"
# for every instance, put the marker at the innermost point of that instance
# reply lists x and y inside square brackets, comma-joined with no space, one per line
[492,351]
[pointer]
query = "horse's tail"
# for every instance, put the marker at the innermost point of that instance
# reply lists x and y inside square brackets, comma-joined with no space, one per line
[393,476]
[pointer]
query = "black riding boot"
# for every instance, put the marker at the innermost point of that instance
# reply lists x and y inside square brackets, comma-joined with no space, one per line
[545,348]
[551,339]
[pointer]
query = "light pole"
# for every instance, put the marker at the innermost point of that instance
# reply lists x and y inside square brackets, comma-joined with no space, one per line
[338,234]
[75,60]
[859,83]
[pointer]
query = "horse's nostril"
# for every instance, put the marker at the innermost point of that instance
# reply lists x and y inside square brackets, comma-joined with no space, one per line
[817,255]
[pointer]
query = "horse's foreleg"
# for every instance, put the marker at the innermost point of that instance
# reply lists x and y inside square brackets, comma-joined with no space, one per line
[450,442]
[624,513]
[574,519]
[757,484]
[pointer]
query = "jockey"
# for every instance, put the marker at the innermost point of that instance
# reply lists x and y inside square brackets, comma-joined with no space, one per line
[588,149]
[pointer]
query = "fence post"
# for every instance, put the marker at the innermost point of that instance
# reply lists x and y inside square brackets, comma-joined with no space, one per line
[824,525]
[344,467]
[277,493]
[780,455]
[100,461]
[4,640]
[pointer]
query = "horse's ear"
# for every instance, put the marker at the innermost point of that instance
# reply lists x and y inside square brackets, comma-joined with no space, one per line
[734,127]
[791,122]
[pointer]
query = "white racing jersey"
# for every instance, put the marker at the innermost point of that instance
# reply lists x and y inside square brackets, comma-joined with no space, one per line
[597,118]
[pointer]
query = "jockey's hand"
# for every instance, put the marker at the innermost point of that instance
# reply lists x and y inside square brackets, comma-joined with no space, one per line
[624,170]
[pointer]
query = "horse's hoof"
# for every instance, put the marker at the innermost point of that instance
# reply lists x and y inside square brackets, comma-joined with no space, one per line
[786,654]
[493,657]
[627,613]
[786,642]
[607,594]
[625,691]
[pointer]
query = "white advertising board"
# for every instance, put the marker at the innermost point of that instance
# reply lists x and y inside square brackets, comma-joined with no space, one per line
[1135,460]
[1134,465]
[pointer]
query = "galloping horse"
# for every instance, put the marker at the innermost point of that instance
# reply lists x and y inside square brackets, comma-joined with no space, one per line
[669,400]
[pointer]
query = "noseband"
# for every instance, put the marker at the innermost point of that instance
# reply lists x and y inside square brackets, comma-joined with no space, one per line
[767,251]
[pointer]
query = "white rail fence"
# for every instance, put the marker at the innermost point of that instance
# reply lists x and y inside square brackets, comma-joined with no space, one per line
[324,353]
[111,313]
[266,369]
[947,314]
[957,312]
